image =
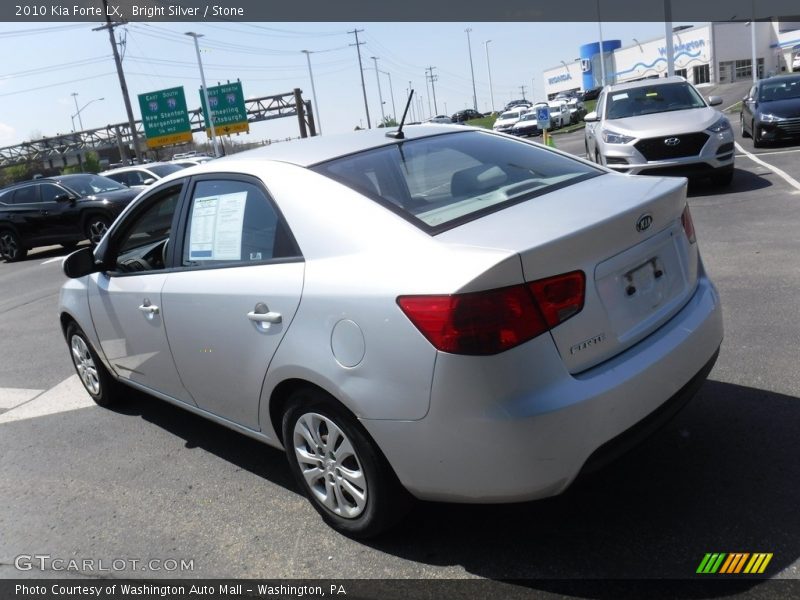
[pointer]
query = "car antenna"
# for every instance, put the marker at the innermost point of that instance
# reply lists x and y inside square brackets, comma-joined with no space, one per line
[398,135]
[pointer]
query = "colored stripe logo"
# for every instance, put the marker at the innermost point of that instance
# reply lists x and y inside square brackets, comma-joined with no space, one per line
[734,563]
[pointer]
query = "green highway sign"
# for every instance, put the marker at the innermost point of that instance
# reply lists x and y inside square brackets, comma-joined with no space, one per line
[165,118]
[227,106]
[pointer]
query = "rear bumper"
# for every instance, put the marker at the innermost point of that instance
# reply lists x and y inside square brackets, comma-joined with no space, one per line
[501,429]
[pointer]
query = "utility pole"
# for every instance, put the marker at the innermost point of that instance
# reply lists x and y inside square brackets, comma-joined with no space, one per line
[313,91]
[432,78]
[472,70]
[380,95]
[522,89]
[361,70]
[123,86]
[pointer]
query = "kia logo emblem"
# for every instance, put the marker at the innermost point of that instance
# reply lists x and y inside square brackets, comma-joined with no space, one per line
[644,223]
[672,141]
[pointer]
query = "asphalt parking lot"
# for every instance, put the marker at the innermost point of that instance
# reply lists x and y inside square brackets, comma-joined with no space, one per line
[149,481]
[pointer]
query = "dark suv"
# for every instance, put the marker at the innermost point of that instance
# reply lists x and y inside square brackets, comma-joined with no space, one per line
[466,115]
[58,210]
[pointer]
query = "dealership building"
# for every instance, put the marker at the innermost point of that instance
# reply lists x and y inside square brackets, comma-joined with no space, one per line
[714,53]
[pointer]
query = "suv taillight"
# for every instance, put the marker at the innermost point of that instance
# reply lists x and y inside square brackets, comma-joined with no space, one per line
[492,321]
[688,225]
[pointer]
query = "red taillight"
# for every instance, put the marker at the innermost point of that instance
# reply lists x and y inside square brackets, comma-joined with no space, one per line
[495,320]
[559,297]
[688,225]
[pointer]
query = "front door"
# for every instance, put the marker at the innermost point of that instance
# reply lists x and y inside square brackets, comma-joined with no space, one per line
[126,301]
[232,299]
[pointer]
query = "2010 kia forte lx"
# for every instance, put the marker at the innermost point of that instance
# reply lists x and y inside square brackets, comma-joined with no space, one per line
[444,313]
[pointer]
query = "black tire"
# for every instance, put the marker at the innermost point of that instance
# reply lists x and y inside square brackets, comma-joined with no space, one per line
[383,502]
[96,380]
[722,178]
[95,228]
[758,142]
[11,247]
[743,128]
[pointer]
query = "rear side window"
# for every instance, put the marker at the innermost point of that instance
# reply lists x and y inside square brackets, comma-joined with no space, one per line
[26,195]
[442,181]
[234,222]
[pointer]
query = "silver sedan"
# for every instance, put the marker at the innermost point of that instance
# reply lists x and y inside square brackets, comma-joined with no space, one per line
[445,314]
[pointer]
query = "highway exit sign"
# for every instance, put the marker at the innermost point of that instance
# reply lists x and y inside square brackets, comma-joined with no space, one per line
[165,118]
[227,107]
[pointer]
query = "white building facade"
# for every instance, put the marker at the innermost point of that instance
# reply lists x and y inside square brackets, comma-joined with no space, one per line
[714,53]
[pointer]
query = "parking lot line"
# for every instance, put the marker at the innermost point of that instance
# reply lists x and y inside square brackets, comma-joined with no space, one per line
[67,395]
[782,174]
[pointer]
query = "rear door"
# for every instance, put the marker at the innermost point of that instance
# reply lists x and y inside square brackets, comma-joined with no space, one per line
[233,295]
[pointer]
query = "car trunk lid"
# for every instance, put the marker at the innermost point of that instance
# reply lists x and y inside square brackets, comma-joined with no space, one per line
[625,233]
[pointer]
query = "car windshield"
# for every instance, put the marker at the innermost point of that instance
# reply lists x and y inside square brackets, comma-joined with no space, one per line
[442,181]
[784,89]
[87,184]
[164,170]
[651,99]
[512,114]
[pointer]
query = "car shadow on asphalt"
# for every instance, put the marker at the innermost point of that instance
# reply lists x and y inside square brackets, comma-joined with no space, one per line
[720,477]
[197,432]
[743,181]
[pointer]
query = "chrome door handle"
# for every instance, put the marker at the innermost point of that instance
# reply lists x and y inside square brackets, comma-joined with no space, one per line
[262,314]
[267,317]
[148,309]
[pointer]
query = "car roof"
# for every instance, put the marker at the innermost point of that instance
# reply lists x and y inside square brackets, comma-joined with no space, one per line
[313,150]
[134,167]
[786,77]
[645,83]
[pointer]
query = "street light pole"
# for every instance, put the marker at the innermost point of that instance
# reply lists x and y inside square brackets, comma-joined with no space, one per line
[209,116]
[77,110]
[472,70]
[313,91]
[80,110]
[489,69]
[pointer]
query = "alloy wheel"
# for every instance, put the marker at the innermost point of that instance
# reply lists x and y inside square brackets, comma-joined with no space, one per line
[84,364]
[330,466]
[96,230]
[9,246]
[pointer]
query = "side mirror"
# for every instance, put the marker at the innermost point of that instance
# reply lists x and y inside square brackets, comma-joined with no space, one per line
[80,263]
[149,181]
[590,117]
[64,198]
[714,100]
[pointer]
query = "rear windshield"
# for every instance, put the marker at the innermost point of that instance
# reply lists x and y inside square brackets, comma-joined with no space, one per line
[442,181]
[665,97]
[164,170]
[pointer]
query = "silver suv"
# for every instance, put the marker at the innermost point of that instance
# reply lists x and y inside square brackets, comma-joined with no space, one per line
[660,127]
